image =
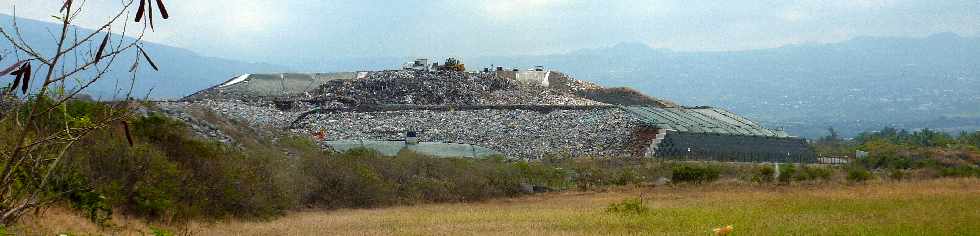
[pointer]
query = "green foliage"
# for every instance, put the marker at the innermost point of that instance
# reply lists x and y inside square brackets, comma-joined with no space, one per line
[891,149]
[832,145]
[790,172]
[896,149]
[896,174]
[787,172]
[923,138]
[39,174]
[161,232]
[694,173]
[363,178]
[81,197]
[627,176]
[969,138]
[590,176]
[168,174]
[632,206]
[541,174]
[884,154]
[764,174]
[960,171]
[857,174]
[595,173]
[808,173]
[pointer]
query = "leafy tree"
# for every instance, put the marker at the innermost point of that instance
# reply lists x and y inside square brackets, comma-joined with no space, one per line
[969,138]
[922,138]
[832,144]
[832,138]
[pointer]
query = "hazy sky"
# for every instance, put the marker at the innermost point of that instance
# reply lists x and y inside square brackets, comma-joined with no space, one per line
[280,30]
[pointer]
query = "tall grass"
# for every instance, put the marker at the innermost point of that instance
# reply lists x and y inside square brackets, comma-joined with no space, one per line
[932,207]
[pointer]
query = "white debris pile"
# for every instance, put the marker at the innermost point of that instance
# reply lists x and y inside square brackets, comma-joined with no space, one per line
[516,133]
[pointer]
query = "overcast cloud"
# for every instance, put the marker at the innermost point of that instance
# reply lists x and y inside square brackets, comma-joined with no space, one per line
[291,30]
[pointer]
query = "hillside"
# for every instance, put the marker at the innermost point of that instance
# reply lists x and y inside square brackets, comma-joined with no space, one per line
[182,71]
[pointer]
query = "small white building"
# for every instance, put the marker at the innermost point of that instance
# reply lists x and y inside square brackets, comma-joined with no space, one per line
[533,77]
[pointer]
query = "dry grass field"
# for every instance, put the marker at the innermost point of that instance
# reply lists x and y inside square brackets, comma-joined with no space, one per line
[932,207]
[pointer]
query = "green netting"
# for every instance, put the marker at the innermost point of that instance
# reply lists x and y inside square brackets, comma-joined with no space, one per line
[702,120]
[288,83]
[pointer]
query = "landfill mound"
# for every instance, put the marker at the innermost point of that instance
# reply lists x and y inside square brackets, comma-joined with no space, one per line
[551,115]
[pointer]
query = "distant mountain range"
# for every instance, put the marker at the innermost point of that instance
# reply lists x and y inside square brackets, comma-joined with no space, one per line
[857,85]
[182,71]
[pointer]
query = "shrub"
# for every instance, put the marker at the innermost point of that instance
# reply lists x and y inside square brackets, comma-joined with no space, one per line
[764,174]
[896,174]
[790,172]
[363,178]
[540,174]
[349,180]
[82,198]
[787,172]
[591,177]
[960,171]
[857,175]
[807,173]
[627,176]
[169,174]
[628,206]
[161,232]
[694,173]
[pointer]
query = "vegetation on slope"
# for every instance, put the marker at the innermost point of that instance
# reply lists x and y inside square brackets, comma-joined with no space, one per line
[169,175]
[901,152]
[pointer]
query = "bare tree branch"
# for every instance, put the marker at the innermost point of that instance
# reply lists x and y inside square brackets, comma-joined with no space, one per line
[31,153]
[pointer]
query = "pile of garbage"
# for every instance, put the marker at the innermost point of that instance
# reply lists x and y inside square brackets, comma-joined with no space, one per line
[600,132]
[441,88]
[521,120]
